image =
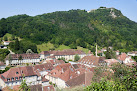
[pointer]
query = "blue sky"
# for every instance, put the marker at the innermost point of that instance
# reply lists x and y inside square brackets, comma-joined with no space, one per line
[36,7]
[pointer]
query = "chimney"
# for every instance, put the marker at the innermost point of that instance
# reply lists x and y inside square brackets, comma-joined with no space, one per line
[96,51]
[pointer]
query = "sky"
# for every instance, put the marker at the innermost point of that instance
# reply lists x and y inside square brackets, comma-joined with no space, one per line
[37,7]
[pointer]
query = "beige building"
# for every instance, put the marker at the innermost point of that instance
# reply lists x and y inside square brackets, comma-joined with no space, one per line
[68,54]
[21,59]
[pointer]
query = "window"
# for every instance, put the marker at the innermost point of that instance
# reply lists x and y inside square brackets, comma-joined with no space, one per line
[17,72]
[8,79]
[12,79]
[16,78]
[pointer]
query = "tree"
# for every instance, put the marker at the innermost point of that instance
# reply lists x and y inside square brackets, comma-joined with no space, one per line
[62,58]
[13,37]
[17,44]
[5,38]
[76,58]
[110,53]
[24,86]
[20,57]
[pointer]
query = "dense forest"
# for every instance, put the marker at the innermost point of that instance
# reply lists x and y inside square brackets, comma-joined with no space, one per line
[104,26]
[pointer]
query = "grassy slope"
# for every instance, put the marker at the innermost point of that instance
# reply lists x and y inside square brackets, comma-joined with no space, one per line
[48,46]
[10,35]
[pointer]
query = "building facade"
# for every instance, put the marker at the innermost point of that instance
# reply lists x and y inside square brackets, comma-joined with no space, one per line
[22,59]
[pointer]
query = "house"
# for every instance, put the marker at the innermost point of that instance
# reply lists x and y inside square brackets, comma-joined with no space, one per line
[83,79]
[68,54]
[92,61]
[64,72]
[133,53]
[2,66]
[55,62]
[124,58]
[21,59]
[43,69]
[3,47]
[6,42]
[109,62]
[14,76]
[117,52]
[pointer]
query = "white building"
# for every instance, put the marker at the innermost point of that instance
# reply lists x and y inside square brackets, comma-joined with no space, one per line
[14,77]
[6,42]
[21,59]
[68,54]
[66,72]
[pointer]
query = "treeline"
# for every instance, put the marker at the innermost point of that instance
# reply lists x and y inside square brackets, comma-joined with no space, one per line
[3,54]
[75,28]
[22,46]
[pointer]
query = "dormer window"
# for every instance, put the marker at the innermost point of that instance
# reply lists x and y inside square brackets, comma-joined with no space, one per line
[16,78]
[12,79]
[8,79]
[17,72]
[20,77]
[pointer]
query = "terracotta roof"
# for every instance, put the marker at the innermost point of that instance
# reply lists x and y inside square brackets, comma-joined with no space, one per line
[91,60]
[63,52]
[111,61]
[83,79]
[6,89]
[42,67]
[45,53]
[48,88]
[19,72]
[17,88]
[24,56]
[122,57]
[44,79]
[67,71]
[2,64]
[36,87]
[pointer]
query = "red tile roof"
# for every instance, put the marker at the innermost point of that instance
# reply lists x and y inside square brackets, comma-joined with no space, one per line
[122,57]
[17,72]
[44,79]
[48,88]
[83,79]
[43,67]
[63,52]
[24,56]
[91,60]
[111,61]
[36,87]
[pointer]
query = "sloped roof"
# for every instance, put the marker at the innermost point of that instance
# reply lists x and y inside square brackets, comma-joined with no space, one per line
[91,60]
[48,88]
[63,52]
[42,67]
[18,72]
[83,79]
[122,57]
[24,56]
[36,87]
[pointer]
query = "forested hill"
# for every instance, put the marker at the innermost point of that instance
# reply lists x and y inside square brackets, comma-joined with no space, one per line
[104,26]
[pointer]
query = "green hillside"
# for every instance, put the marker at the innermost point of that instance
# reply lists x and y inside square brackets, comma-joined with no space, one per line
[104,26]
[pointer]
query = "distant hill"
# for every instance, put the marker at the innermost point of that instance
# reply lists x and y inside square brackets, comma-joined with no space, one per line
[104,26]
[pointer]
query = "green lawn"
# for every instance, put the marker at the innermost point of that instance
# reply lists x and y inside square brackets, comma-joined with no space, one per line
[62,47]
[9,36]
[83,49]
[48,46]
[44,47]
